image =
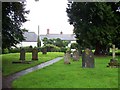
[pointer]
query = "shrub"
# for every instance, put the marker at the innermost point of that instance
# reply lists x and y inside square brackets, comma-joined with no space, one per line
[17,50]
[63,49]
[5,51]
[68,50]
[51,48]
[44,50]
[14,50]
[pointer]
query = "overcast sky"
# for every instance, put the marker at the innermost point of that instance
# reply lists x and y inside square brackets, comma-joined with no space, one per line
[48,14]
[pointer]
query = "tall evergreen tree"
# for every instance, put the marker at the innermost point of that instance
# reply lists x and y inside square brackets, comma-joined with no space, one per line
[96,24]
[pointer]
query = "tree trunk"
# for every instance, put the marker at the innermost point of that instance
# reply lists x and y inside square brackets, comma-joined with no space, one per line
[97,49]
[101,49]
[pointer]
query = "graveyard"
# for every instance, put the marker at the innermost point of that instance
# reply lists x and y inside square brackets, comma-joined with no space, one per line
[9,68]
[86,55]
[71,75]
[70,72]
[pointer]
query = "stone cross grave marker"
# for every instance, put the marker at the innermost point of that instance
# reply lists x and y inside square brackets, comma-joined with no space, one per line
[34,54]
[22,54]
[76,56]
[67,57]
[113,51]
[113,62]
[87,59]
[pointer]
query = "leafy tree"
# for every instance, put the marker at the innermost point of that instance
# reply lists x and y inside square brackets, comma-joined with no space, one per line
[74,45]
[13,15]
[95,24]
[38,42]
[45,41]
[57,42]
[65,43]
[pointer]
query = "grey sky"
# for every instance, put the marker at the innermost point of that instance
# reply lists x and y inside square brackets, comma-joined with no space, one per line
[48,14]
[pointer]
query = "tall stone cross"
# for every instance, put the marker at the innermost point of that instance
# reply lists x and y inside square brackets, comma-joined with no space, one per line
[113,51]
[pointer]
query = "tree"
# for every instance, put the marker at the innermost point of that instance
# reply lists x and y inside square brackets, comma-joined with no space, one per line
[57,42]
[45,41]
[13,15]
[94,24]
[38,42]
[74,46]
[65,43]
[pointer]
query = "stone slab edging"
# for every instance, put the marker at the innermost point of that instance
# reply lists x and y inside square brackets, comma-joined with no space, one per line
[7,81]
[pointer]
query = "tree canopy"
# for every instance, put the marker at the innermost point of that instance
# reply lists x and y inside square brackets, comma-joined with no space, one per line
[13,15]
[57,42]
[96,24]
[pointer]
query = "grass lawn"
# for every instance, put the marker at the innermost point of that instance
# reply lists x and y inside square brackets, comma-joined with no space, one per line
[60,75]
[9,68]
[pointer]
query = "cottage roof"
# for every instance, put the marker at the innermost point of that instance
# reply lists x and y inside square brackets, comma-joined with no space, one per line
[68,37]
[32,37]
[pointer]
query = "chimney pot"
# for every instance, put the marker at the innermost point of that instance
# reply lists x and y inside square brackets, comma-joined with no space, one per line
[61,32]
[48,31]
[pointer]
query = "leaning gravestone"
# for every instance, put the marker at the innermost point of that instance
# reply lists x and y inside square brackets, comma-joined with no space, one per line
[67,58]
[87,59]
[76,56]
[22,54]
[35,54]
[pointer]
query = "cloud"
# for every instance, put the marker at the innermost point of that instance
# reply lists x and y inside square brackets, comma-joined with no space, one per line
[48,14]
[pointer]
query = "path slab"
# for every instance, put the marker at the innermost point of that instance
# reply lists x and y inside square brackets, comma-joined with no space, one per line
[7,81]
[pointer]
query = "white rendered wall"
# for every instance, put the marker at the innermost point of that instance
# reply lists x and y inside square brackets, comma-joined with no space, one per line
[23,44]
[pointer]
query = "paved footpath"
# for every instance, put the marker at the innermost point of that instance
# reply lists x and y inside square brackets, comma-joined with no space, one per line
[7,81]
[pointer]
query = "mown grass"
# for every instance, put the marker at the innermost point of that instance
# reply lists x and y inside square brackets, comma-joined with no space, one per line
[9,68]
[60,75]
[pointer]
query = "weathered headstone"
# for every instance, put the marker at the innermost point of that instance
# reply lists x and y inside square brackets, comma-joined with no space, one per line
[88,59]
[35,54]
[44,50]
[22,54]
[67,58]
[22,58]
[76,56]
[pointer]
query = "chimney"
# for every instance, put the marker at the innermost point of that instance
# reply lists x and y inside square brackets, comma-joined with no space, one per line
[48,31]
[61,32]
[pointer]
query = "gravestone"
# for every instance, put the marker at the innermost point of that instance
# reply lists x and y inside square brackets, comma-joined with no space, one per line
[35,54]
[22,58]
[113,52]
[113,62]
[22,54]
[88,59]
[67,58]
[44,50]
[76,56]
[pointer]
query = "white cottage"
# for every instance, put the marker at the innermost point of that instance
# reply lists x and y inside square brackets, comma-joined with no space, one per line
[31,38]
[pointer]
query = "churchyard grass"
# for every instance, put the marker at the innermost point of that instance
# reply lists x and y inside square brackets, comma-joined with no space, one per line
[9,68]
[60,75]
